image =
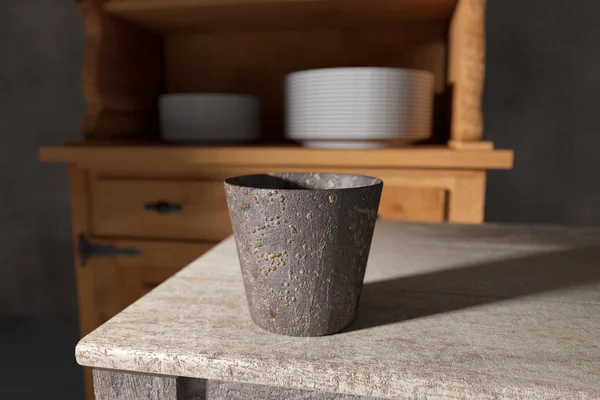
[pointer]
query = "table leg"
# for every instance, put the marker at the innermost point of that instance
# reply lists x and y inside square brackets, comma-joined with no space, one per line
[119,385]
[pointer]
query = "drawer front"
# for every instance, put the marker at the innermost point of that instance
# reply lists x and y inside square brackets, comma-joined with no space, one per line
[399,203]
[168,209]
[117,281]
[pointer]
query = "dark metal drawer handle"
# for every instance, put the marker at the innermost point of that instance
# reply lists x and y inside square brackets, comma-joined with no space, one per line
[88,250]
[163,207]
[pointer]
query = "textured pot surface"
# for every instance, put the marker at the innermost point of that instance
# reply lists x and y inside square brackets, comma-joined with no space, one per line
[303,240]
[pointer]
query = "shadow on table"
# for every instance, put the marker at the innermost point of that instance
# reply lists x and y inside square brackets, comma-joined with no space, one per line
[418,296]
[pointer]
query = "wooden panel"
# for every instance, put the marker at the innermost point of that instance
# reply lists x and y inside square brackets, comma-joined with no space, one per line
[466,69]
[276,157]
[436,178]
[462,192]
[105,286]
[119,209]
[473,145]
[121,75]
[467,203]
[166,15]
[257,62]
[120,280]
[400,203]
[80,196]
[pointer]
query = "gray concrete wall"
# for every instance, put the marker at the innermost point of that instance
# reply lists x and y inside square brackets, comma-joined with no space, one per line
[40,102]
[541,99]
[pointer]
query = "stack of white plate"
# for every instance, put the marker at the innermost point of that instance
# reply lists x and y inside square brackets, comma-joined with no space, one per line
[209,118]
[359,107]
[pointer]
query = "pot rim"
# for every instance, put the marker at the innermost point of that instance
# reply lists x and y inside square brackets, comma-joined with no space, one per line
[375,181]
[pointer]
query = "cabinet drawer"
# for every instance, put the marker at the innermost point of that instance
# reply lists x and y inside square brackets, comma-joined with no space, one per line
[119,280]
[160,209]
[400,203]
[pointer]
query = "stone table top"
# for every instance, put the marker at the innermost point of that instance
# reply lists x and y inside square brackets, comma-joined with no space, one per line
[451,311]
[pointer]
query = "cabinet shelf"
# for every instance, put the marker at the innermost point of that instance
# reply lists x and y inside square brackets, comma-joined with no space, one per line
[210,15]
[279,156]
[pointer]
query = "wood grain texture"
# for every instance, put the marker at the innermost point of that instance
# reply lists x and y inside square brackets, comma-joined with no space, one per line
[121,76]
[268,157]
[80,196]
[120,195]
[257,62]
[119,209]
[435,178]
[466,69]
[118,281]
[474,145]
[454,311]
[467,202]
[401,203]
[219,15]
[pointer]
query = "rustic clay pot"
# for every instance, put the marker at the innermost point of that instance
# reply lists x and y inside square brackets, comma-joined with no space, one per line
[303,240]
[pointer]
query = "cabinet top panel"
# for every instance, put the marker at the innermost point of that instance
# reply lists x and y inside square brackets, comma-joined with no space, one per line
[211,15]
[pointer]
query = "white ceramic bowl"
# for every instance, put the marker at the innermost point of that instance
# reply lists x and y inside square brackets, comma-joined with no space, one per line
[359,105]
[209,118]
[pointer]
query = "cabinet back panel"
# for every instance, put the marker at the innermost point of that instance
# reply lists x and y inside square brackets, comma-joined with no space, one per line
[256,62]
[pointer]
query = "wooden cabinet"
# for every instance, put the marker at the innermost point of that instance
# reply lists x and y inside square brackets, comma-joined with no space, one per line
[405,203]
[134,224]
[136,50]
[143,208]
